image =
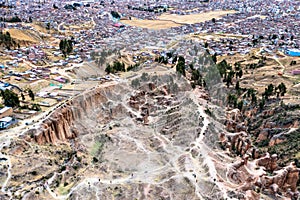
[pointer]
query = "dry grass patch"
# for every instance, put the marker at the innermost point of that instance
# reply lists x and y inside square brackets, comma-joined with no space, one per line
[172,20]
[151,24]
[21,35]
[195,18]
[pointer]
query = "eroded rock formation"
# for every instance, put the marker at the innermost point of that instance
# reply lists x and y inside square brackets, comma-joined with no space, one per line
[257,169]
[60,125]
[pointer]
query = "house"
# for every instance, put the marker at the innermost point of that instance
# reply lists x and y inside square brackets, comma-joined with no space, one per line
[296,72]
[6,122]
[293,52]
[61,79]
[5,112]
[118,25]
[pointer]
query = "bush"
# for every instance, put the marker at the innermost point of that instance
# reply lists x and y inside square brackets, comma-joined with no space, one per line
[34,173]
[63,168]
[95,159]
[263,143]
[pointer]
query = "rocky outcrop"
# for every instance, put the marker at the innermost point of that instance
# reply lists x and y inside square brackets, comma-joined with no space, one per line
[60,125]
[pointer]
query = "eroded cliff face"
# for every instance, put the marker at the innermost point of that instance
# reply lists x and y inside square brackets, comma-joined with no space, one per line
[258,171]
[154,120]
[60,125]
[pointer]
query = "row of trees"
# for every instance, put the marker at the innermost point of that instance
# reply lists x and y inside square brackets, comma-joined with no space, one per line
[233,100]
[165,59]
[250,95]
[196,76]
[11,99]
[132,67]
[6,40]
[270,90]
[272,38]
[115,67]
[155,9]
[11,20]
[227,72]
[161,59]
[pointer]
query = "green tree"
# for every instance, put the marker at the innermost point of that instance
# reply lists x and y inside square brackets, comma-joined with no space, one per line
[11,99]
[270,88]
[31,94]
[232,100]
[253,98]
[240,105]
[205,45]
[214,58]
[237,86]
[48,26]
[108,69]
[36,107]
[69,46]
[23,97]
[195,75]
[268,91]
[282,89]
[180,67]
[222,66]
[115,14]
[174,60]
[229,78]
[239,73]
[6,40]
[204,83]
[262,104]
[66,46]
